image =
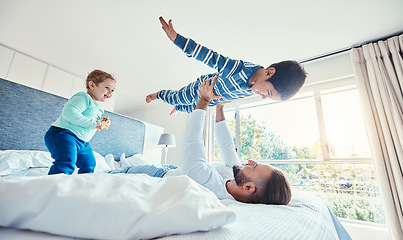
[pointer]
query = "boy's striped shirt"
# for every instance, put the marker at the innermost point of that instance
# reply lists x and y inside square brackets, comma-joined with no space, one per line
[233,75]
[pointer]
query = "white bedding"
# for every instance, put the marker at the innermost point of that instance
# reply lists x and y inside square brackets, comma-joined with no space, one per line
[306,217]
[22,162]
[106,206]
[302,219]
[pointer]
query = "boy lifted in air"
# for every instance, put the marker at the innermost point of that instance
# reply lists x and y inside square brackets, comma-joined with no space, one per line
[236,78]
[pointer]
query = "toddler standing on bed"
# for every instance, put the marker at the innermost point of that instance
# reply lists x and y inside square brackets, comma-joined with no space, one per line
[236,78]
[68,138]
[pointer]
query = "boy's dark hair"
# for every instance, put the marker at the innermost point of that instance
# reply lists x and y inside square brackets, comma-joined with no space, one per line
[98,76]
[288,78]
[275,190]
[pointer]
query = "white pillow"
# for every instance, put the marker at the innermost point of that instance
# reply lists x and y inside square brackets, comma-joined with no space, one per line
[12,161]
[101,166]
[110,206]
[110,161]
[124,162]
[137,159]
[116,164]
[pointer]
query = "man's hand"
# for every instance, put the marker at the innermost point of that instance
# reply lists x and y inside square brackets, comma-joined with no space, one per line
[168,28]
[206,93]
[206,89]
[219,109]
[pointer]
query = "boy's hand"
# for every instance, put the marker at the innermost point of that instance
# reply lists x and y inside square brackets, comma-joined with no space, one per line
[168,28]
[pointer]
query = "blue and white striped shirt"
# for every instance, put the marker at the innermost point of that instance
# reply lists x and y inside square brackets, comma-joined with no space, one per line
[232,82]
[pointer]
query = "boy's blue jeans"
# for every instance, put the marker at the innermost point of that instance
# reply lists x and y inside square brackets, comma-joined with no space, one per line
[68,151]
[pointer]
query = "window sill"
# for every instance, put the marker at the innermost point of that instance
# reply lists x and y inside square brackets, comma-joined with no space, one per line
[360,230]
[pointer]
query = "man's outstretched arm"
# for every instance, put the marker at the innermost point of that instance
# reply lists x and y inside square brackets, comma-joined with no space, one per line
[226,146]
[194,155]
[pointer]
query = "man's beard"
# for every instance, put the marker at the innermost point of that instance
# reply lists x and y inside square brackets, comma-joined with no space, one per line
[239,176]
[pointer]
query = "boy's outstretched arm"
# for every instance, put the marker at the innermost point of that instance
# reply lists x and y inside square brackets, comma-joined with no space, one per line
[168,28]
[223,64]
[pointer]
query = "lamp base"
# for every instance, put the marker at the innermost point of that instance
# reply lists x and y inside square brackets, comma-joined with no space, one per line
[166,155]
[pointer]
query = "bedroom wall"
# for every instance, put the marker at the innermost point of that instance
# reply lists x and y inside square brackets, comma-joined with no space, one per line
[328,68]
[158,113]
[18,67]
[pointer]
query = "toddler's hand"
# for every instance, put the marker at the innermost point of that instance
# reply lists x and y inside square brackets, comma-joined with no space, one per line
[100,125]
[106,122]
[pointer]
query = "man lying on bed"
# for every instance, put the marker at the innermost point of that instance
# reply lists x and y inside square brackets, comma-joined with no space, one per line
[250,183]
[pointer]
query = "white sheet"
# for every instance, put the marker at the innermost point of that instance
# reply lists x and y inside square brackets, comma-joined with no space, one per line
[13,161]
[105,206]
[305,218]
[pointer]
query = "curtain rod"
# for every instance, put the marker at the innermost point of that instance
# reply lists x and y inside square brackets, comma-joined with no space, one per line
[351,47]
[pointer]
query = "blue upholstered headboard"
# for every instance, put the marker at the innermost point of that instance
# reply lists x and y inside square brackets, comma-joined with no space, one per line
[26,114]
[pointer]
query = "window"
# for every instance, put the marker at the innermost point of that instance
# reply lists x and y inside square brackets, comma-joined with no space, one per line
[318,139]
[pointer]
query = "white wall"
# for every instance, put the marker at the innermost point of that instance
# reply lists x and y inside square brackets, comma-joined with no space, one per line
[28,71]
[158,113]
[152,152]
[328,68]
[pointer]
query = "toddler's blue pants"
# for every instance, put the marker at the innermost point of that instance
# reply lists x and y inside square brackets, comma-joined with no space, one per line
[68,151]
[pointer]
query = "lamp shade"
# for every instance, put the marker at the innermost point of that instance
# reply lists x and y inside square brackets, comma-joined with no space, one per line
[167,140]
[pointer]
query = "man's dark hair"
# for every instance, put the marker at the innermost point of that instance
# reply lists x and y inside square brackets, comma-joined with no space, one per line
[275,190]
[288,78]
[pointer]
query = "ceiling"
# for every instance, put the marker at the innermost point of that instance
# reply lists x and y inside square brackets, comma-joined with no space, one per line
[124,37]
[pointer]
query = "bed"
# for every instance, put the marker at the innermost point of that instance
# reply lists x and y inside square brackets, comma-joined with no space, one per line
[34,205]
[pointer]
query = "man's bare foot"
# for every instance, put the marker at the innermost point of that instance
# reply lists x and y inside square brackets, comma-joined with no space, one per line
[174,111]
[151,97]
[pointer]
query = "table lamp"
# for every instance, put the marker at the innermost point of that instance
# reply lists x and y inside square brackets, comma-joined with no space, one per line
[167,140]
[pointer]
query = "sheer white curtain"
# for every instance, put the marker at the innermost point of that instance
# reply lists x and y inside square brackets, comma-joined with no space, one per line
[379,72]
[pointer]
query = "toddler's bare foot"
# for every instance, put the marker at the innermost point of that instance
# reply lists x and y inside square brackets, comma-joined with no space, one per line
[151,97]
[173,112]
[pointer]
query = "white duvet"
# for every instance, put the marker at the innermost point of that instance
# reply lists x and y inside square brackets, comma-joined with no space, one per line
[106,206]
